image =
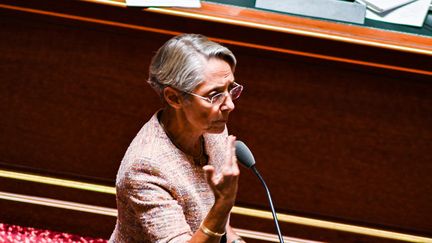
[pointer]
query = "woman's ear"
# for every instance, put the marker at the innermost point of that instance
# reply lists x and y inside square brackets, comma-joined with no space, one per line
[172,97]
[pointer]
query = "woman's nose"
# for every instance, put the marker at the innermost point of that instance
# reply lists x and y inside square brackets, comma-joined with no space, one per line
[228,104]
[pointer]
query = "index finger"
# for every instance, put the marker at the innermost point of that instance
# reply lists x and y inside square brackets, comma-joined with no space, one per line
[230,159]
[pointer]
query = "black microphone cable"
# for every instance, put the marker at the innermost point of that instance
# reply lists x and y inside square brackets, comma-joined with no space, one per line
[245,157]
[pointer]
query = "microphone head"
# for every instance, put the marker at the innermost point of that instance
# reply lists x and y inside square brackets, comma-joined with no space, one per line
[244,155]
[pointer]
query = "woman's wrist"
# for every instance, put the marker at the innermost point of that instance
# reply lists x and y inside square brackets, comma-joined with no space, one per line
[210,232]
[222,207]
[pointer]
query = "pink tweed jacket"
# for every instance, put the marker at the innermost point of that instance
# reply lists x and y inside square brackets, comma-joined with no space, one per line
[162,195]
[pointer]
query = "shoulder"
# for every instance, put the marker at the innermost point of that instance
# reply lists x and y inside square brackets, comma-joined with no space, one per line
[146,151]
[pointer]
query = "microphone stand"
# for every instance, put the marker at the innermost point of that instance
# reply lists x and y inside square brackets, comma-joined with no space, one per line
[271,203]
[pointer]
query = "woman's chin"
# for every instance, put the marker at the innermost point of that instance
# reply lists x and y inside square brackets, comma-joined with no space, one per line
[219,128]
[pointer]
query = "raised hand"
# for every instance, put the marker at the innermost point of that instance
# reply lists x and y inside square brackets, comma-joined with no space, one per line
[225,184]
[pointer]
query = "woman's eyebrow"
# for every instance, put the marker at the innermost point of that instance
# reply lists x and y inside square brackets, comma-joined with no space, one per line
[217,87]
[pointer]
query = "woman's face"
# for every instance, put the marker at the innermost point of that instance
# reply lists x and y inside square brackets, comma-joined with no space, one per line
[201,114]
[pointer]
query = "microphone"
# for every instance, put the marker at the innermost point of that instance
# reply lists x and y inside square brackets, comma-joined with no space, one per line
[245,157]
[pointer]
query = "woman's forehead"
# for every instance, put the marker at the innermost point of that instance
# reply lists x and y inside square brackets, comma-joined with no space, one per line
[217,69]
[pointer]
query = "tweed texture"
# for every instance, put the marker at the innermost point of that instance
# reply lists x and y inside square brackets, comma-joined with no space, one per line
[162,195]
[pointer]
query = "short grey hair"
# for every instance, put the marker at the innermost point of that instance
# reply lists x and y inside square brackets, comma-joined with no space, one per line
[180,62]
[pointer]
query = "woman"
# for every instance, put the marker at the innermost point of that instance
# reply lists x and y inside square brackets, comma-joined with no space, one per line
[178,179]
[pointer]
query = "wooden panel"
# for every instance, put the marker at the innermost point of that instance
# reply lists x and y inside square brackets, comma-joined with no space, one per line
[340,131]
[335,141]
[71,101]
[323,29]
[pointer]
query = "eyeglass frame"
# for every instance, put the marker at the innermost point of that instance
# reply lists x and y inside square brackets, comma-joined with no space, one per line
[210,100]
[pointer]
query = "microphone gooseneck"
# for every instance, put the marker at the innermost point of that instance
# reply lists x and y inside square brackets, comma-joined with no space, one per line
[245,157]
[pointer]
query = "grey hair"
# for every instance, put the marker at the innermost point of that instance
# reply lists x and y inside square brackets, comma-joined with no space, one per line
[180,62]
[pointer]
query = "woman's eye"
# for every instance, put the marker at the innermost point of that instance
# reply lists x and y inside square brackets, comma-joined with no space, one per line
[216,97]
[213,94]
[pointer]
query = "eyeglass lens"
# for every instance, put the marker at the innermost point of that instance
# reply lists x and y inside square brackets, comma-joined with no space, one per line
[234,93]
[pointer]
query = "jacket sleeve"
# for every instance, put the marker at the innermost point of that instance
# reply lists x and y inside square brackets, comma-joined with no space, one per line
[151,204]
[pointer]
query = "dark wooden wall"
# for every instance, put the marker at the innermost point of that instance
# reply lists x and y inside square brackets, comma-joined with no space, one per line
[334,141]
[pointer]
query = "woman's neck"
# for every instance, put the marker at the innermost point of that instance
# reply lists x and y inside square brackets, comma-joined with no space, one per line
[181,134]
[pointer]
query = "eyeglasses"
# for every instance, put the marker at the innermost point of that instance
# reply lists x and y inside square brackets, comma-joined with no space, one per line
[218,98]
